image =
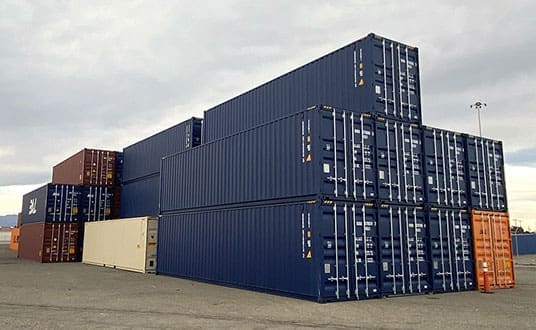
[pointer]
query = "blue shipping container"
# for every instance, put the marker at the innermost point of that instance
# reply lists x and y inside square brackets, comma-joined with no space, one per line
[67,203]
[451,252]
[319,251]
[143,158]
[374,74]
[140,197]
[403,252]
[524,244]
[97,203]
[399,160]
[119,160]
[445,168]
[52,203]
[485,167]
[320,151]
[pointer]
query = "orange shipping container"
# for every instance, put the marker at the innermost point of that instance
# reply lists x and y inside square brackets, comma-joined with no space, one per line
[492,244]
[14,242]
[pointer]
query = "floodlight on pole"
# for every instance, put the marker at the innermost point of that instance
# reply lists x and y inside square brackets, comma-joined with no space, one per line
[478,105]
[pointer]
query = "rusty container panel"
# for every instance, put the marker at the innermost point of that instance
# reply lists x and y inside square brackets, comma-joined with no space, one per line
[87,167]
[14,242]
[49,242]
[19,219]
[492,243]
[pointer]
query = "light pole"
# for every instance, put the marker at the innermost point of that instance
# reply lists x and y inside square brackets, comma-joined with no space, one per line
[478,105]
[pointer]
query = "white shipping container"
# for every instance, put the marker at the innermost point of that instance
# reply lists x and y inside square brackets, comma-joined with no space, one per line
[128,244]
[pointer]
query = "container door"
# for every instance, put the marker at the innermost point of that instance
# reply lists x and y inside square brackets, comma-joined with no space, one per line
[404,265]
[399,153]
[363,149]
[365,251]
[335,139]
[486,177]
[408,81]
[337,284]
[502,252]
[450,250]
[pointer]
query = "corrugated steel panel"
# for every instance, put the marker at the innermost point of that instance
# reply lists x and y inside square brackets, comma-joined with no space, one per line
[373,74]
[451,252]
[324,252]
[485,162]
[445,168]
[403,250]
[67,203]
[320,151]
[128,244]
[143,158]
[524,244]
[87,167]
[492,243]
[140,198]
[49,242]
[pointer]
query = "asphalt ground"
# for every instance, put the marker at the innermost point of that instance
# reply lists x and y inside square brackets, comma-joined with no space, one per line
[74,295]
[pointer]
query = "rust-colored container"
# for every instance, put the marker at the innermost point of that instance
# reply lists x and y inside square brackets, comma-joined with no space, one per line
[49,242]
[19,219]
[14,242]
[492,244]
[89,167]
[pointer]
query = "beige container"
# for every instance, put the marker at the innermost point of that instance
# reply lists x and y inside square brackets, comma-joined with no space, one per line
[128,244]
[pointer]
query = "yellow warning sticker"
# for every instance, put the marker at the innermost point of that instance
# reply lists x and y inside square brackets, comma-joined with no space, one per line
[308,158]
[109,175]
[71,250]
[309,255]
[75,210]
[308,138]
[309,234]
[360,65]
[361,82]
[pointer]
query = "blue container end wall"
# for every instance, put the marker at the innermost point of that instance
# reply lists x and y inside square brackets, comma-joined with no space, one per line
[485,168]
[445,173]
[451,250]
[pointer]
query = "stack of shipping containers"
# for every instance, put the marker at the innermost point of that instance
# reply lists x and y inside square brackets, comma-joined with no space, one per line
[351,200]
[322,184]
[140,179]
[82,189]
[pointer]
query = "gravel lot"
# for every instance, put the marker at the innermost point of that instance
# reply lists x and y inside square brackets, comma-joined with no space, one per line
[34,295]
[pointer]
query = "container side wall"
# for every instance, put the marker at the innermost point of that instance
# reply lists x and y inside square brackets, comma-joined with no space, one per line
[362,77]
[140,197]
[143,158]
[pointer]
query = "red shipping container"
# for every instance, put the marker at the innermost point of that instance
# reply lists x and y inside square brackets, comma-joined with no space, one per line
[89,167]
[49,242]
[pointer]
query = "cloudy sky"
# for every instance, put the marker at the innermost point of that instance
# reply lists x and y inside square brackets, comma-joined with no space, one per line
[105,74]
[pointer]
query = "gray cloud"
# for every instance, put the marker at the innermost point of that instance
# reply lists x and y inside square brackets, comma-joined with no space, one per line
[103,74]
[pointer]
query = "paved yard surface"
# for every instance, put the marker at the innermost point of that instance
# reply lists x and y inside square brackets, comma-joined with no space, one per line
[34,295]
